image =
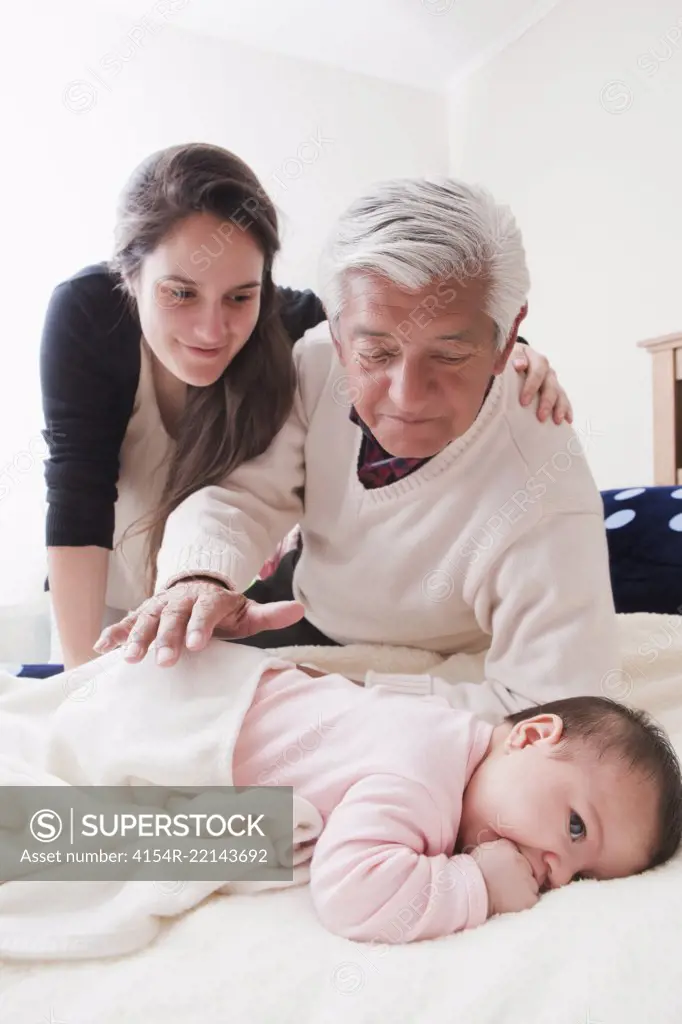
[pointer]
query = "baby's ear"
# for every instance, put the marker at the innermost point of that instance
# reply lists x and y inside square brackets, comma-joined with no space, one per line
[543,728]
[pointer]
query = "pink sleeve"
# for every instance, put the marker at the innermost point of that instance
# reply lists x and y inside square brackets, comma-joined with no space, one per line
[370,878]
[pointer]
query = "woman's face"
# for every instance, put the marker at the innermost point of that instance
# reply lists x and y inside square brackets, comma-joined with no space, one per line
[198,297]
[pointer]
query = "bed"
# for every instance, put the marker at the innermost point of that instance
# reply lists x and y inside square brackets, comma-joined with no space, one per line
[592,953]
[666,373]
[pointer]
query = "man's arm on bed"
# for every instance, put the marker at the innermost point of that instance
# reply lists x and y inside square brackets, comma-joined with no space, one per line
[548,606]
[370,878]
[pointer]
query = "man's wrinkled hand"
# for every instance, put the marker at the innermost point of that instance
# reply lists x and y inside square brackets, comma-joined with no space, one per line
[187,614]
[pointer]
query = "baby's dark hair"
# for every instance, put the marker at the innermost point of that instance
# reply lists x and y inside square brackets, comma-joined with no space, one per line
[610,728]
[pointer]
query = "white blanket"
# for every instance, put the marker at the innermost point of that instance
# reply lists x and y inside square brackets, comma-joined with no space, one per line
[593,953]
[118,725]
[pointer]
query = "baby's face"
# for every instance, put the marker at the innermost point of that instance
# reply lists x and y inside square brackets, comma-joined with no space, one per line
[579,817]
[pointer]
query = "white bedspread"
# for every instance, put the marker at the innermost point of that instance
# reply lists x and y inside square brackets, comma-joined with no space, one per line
[111,724]
[592,953]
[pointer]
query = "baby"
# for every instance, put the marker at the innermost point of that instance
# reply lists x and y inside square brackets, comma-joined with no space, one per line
[435,820]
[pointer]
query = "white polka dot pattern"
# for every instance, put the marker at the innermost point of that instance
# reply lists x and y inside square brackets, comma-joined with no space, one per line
[618,519]
[632,493]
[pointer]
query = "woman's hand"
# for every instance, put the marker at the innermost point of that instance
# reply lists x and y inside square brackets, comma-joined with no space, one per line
[187,614]
[541,378]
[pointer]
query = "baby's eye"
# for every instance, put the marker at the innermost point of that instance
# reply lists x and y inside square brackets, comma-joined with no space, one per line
[576,826]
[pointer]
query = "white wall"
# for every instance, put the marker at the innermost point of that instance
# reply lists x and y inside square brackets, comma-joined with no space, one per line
[577,126]
[86,98]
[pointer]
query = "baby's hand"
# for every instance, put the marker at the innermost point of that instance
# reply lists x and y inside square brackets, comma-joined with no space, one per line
[508,877]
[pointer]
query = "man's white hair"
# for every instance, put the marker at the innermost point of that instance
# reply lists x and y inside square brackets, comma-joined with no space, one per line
[415,232]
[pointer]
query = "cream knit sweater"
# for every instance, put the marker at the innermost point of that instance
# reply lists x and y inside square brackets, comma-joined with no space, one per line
[497,542]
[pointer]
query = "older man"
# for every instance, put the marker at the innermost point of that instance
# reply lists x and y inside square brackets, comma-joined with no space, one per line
[435,510]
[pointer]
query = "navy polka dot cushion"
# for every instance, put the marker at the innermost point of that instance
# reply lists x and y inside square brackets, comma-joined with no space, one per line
[644,534]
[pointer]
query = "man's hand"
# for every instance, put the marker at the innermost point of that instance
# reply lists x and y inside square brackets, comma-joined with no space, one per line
[541,378]
[508,877]
[188,613]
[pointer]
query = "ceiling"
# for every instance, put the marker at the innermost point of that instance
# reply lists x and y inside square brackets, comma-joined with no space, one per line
[425,43]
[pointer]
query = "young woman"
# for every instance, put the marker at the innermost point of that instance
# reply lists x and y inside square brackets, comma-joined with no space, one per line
[163,370]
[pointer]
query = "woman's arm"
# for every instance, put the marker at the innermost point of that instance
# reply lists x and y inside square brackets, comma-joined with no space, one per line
[78,582]
[299,311]
[89,371]
[89,367]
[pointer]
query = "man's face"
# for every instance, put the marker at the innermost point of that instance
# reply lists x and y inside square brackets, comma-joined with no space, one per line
[419,362]
[582,816]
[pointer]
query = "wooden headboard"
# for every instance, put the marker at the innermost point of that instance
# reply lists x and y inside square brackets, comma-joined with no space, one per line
[667,378]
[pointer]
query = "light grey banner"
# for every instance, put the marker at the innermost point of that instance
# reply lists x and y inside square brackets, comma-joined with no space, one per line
[146,833]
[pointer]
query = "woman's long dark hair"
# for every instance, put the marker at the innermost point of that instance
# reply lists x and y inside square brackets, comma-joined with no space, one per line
[235,418]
